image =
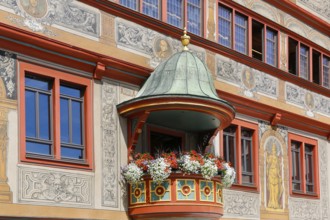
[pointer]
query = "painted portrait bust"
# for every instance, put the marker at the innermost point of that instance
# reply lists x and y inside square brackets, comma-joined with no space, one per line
[35,8]
[162,48]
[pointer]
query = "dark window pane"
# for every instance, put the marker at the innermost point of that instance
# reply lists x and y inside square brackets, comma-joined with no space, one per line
[76,122]
[151,8]
[224,26]
[132,4]
[310,188]
[175,13]
[309,167]
[229,149]
[44,116]
[65,135]
[293,59]
[316,65]
[296,186]
[257,40]
[30,114]
[70,91]
[295,156]
[72,153]
[38,148]
[247,133]
[37,83]
[194,16]
[160,142]
[229,144]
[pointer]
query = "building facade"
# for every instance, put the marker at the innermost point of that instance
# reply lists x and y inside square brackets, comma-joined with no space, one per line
[65,65]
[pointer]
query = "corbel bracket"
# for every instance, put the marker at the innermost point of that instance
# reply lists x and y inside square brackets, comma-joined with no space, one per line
[276,118]
[99,71]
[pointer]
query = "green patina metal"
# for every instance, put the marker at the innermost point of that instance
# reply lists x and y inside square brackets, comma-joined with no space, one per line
[181,74]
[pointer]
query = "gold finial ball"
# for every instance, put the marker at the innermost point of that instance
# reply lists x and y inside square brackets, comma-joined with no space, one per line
[185,39]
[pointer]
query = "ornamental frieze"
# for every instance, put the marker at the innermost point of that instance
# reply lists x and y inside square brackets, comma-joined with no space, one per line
[54,187]
[243,205]
[249,80]
[304,209]
[321,7]
[310,101]
[149,43]
[38,15]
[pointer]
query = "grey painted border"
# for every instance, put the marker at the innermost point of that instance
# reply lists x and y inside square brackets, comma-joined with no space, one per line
[54,187]
[110,145]
[69,14]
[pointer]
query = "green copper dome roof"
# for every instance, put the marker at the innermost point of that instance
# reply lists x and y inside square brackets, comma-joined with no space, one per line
[181,74]
[180,95]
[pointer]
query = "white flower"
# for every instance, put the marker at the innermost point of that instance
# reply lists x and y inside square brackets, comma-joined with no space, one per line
[132,173]
[230,175]
[209,169]
[189,166]
[159,170]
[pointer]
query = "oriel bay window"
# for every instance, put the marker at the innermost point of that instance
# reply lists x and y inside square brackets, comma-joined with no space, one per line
[179,13]
[55,115]
[239,146]
[303,166]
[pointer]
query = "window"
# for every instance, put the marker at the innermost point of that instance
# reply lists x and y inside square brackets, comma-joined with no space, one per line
[303,166]
[308,63]
[298,59]
[163,140]
[264,45]
[224,26]
[227,29]
[241,33]
[326,72]
[179,13]
[55,116]
[233,33]
[239,146]
[316,64]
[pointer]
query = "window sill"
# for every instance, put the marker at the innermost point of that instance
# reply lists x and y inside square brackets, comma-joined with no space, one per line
[305,195]
[50,161]
[246,188]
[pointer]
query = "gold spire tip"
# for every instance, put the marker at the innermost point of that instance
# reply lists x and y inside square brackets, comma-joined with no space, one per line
[185,39]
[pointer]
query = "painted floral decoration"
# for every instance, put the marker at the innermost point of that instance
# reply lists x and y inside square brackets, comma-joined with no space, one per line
[188,163]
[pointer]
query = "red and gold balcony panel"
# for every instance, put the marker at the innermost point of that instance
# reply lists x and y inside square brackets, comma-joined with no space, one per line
[180,196]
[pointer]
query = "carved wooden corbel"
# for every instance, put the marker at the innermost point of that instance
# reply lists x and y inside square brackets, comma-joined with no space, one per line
[276,118]
[136,131]
[99,71]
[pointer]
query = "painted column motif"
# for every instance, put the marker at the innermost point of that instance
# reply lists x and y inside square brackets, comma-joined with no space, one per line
[7,101]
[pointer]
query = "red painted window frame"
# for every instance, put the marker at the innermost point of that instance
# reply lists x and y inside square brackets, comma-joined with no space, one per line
[163,13]
[245,124]
[304,140]
[57,76]
[310,60]
[249,32]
